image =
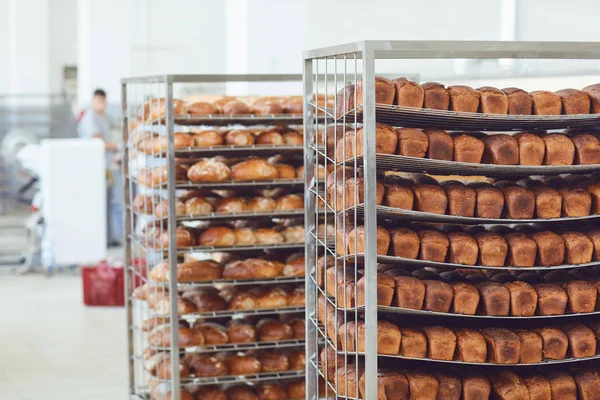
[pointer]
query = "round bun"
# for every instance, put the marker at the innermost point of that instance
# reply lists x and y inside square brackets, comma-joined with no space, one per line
[163,369]
[297,360]
[267,108]
[198,206]
[296,390]
[161,337]
[290,202]
[239,138]
[244,365]
[160,175]
[293,234]
[286,171]
[244,237]
[207,366]
[143,204]
[273,331]
[182,140]
[270,391]
[298,327]
[207,139]
[293,139]
[268,236]
[241,392]
[162,208]
[270,137]
[274,362]
[262,204]
[236,107]
[232,205]
[205,300]
[243,301]
[241,332]
[293,105]
[214,334]
[183,238]
[202,108]
[209,170]
[273,298]
[252,268]
[210,393]
[155,109]
[255,169]
[297,298]
[295,267]
[222,101]
[217,236]
[190,271]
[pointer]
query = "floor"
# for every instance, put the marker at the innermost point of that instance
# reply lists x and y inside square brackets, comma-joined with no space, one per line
[52,347]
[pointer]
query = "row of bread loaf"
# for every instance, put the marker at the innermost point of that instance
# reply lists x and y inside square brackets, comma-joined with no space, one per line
[249,268]
[470,292]
[223,236]
[200,365]
[393,384]
[526,246]
[237,331]
[201,300]
[486,99]
[200,205]
[523,148]
[212,170]
[155,144]
[292,390]
[553,197]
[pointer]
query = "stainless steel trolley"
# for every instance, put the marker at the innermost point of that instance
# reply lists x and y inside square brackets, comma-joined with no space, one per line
[327,72]
[150,120]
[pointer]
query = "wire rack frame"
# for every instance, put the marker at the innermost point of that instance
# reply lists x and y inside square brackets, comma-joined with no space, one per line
[159,117]
[358,59]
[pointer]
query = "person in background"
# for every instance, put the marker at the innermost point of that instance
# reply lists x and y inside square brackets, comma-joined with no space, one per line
[96,123]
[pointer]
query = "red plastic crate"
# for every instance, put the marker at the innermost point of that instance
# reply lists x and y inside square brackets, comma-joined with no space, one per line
[103,285]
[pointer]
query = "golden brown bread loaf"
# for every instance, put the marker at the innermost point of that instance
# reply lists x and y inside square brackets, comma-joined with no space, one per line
[576,202]
[235,107]
[331,360]
[163,368]
[388,337]
[463,98]
[493,249]
[209,170]
[385,91]
[552,299]
[240,392]
[430,198]
[160,336]
[270,138]
[244,237]
[207,366]
[409,292]
[267,106]
[519,202]
[295,266]
[493,101]
[358,235]
[441,145]
[239,138]
[414,343]
[522,250]
[240,332]
[286,171]
[435,96]
[386,141]
[531,347]
[217,236]
[438,296]
[391,385]
[582,296]
[347,194]
[273,330]
[538,387]
[490,200]
[578,247]
[562,386]
[465,299]
[201,108]
[231,205]
[470,346]
[504,346]
[422,386]
[468,149]
[450,387]
[194,271]
[532,148]
[495,298]
[345,100]
[198,206]
[270,391]
[560,149]
[508,386]
[574,101]
[350,375]
[461,198]
[296,390]
[273,362]
[214,334]
[501,149]
[441,343]
[555,342]
[434,245]
[548,201]
[399,194]
[292,105]
[587,149]
[550,248]
[262,204]
[582,341]
[385,290]
[519,101]
[476,387]
[207,139]
[408,93]
[463,249]
[594,235]
[523,298]
[243,365]
[412,142]
[588,383]
[593,91]
[254,170]
[545,103]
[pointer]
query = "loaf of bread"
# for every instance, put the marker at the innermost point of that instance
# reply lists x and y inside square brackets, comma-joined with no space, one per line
[531,347]
[286,171]
[422,386]
[523,299]
[501,149]
[593,92]
[476,387]
[463,249]
[522,250]
[538,387]
[209,170]
[345,100]
[508,386]
[430,198]
[441,145]
[390,385]
[404,243]
[435,96]
[560,149]
[578,247]
[239,138]
[548,200]
[358,235]
[582,341]
[495,298]
[587,148]
[450,387]
[207,139]
[465,299]
[545,103]
[255,169]
[552,299]
[519,101]
[588,383]
[331,360]
[461,198]
[532,148]
[519,202]
[385,290]
[438,296]
[493,249]
[504,346]
[346,380]
[468,149]
[412,142]
[414,343]
[408,93]
[385,92]
[214,334]
[207,366]
[490,200]
[470,346]
[441,343]
[386,141]
[574,101]
[273,362]
[388,337]
[239,331]
[463,98]
[555,343]
[399,194]
[576,202]
[409,292]
[434,245]
[550,248]
[160,336]
[493,101]
[562,385]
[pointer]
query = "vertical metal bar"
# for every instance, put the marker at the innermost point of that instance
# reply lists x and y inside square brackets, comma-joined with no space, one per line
[370,175]
[172,227]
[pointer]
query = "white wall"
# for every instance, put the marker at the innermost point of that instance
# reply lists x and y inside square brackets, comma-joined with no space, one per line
[4,46]
[62,38]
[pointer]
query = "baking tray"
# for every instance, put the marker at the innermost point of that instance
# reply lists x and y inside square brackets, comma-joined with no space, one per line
[240,151]
[232,119]
[236,313]
[230,282]
[457,120]
[393,162]
[212,249]
[399,214]
[236,346]
[220,380]
[410,263]
[272,183]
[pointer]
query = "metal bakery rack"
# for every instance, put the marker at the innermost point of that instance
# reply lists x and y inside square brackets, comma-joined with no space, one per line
[151,117]
[331,71]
